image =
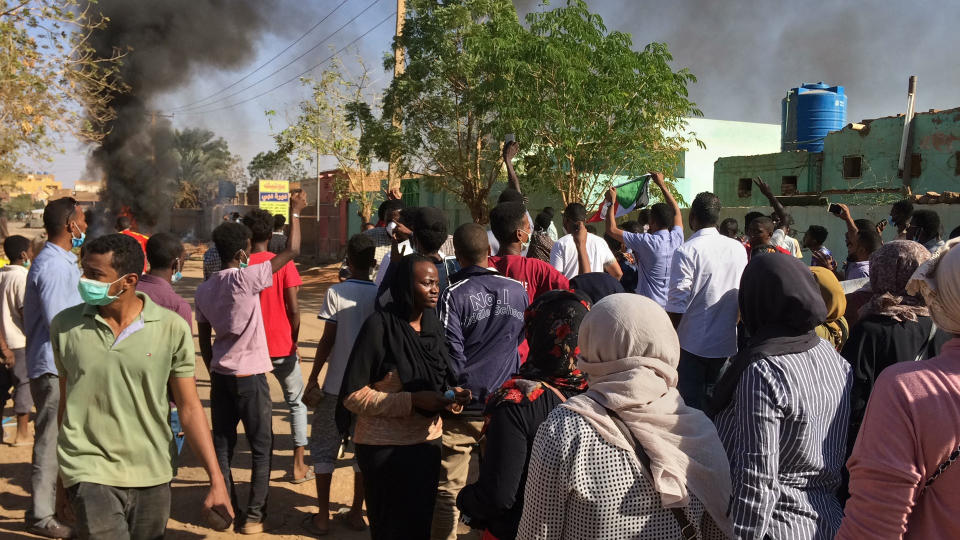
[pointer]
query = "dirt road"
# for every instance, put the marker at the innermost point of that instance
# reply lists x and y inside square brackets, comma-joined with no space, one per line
[289,504]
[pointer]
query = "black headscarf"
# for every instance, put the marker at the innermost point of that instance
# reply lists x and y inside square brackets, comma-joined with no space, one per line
[387,342]
[552,325]
[781,306]
[597,285]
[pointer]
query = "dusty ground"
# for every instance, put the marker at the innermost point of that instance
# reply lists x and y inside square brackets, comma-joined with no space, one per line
[289,504]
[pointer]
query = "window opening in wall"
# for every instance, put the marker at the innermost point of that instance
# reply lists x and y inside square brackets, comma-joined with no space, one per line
[744,187]
[852,166]
[788,185]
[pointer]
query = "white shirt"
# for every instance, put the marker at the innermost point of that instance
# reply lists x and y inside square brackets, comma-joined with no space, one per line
[563,256]
[789,243]
[404,248]
[348,305]
[13,285]
[704,284]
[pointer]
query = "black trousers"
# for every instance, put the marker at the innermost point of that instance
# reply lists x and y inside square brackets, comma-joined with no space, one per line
[697,377]
[113,513]
[247,400]
[400,487]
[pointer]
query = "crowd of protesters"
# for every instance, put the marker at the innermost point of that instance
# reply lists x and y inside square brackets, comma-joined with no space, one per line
[669,380]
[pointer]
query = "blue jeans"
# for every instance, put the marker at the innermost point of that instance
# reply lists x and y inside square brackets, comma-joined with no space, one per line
[287,371]
[697,376]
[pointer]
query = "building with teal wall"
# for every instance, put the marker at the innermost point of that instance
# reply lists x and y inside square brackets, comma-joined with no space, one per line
[858,165]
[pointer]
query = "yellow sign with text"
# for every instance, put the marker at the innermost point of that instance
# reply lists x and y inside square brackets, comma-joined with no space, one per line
[275,197]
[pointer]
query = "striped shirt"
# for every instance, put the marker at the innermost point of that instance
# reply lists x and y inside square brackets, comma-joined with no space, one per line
[785,433]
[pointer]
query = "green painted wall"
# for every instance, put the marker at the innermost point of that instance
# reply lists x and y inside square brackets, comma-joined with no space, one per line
[773,168]
[936,139]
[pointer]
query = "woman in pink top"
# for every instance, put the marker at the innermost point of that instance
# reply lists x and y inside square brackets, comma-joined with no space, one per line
[903,483]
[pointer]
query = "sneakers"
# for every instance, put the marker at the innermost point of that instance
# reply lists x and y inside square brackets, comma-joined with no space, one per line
[53,529]
[252,527]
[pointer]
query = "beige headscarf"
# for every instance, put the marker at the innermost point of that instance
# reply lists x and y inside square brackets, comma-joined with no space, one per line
[938,280]
[629,352]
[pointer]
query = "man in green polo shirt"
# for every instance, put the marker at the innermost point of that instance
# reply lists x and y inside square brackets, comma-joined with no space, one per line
[116,353]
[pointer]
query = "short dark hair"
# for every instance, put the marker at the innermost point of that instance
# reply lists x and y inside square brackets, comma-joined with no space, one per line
[764,223]
[361,251]
[632,226]
[614,244]
[750,216]
[470,242]
[279,221]
[127,254]
[928,221]
[869,239]
[955,233]
[14,245]
[542,221]
[548,210]
[505,219]
[430,229]
[643,216]
[706,208]
[864,224]
[162,249]
[389,206]
[57,214]
[229,238]
[124,223]
[510,195]
[575,212]
[729,227]
[819,233]
[260,223]
[905,206]
[662,215]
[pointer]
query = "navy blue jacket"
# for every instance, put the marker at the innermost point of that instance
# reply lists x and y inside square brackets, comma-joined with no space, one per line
[482,311]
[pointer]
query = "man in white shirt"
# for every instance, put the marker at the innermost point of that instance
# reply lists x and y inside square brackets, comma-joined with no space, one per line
[564,256]
[13,367]
[702,300]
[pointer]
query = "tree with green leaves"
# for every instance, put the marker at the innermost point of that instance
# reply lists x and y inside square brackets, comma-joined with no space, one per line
[53,83]
[458,58]
[203,159]
[322,130]
[589,107]
[276,165]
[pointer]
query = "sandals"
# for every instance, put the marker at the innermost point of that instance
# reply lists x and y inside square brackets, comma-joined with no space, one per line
[308,477]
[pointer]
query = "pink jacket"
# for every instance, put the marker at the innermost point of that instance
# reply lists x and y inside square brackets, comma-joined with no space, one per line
[912,424]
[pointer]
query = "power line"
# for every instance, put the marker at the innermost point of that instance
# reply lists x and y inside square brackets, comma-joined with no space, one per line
[263,65]
[288,64]
[301,74]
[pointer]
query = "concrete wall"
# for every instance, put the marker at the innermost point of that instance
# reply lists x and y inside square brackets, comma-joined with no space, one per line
[936,140]
[728,172]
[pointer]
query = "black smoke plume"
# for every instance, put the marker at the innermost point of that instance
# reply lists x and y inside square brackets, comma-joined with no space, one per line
[168,43]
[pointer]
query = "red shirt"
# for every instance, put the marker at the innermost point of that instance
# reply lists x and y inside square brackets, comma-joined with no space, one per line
[273,306]
[142,240]
[536,276]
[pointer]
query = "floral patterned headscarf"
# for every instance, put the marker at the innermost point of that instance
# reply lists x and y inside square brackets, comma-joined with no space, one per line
[891,267]
[552,328]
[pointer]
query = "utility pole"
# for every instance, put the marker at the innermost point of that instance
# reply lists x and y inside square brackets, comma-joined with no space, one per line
[393,181]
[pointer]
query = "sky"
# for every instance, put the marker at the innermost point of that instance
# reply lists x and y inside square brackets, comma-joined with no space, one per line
[745,54]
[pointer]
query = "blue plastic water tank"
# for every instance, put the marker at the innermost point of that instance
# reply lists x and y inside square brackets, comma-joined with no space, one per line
[808,113]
